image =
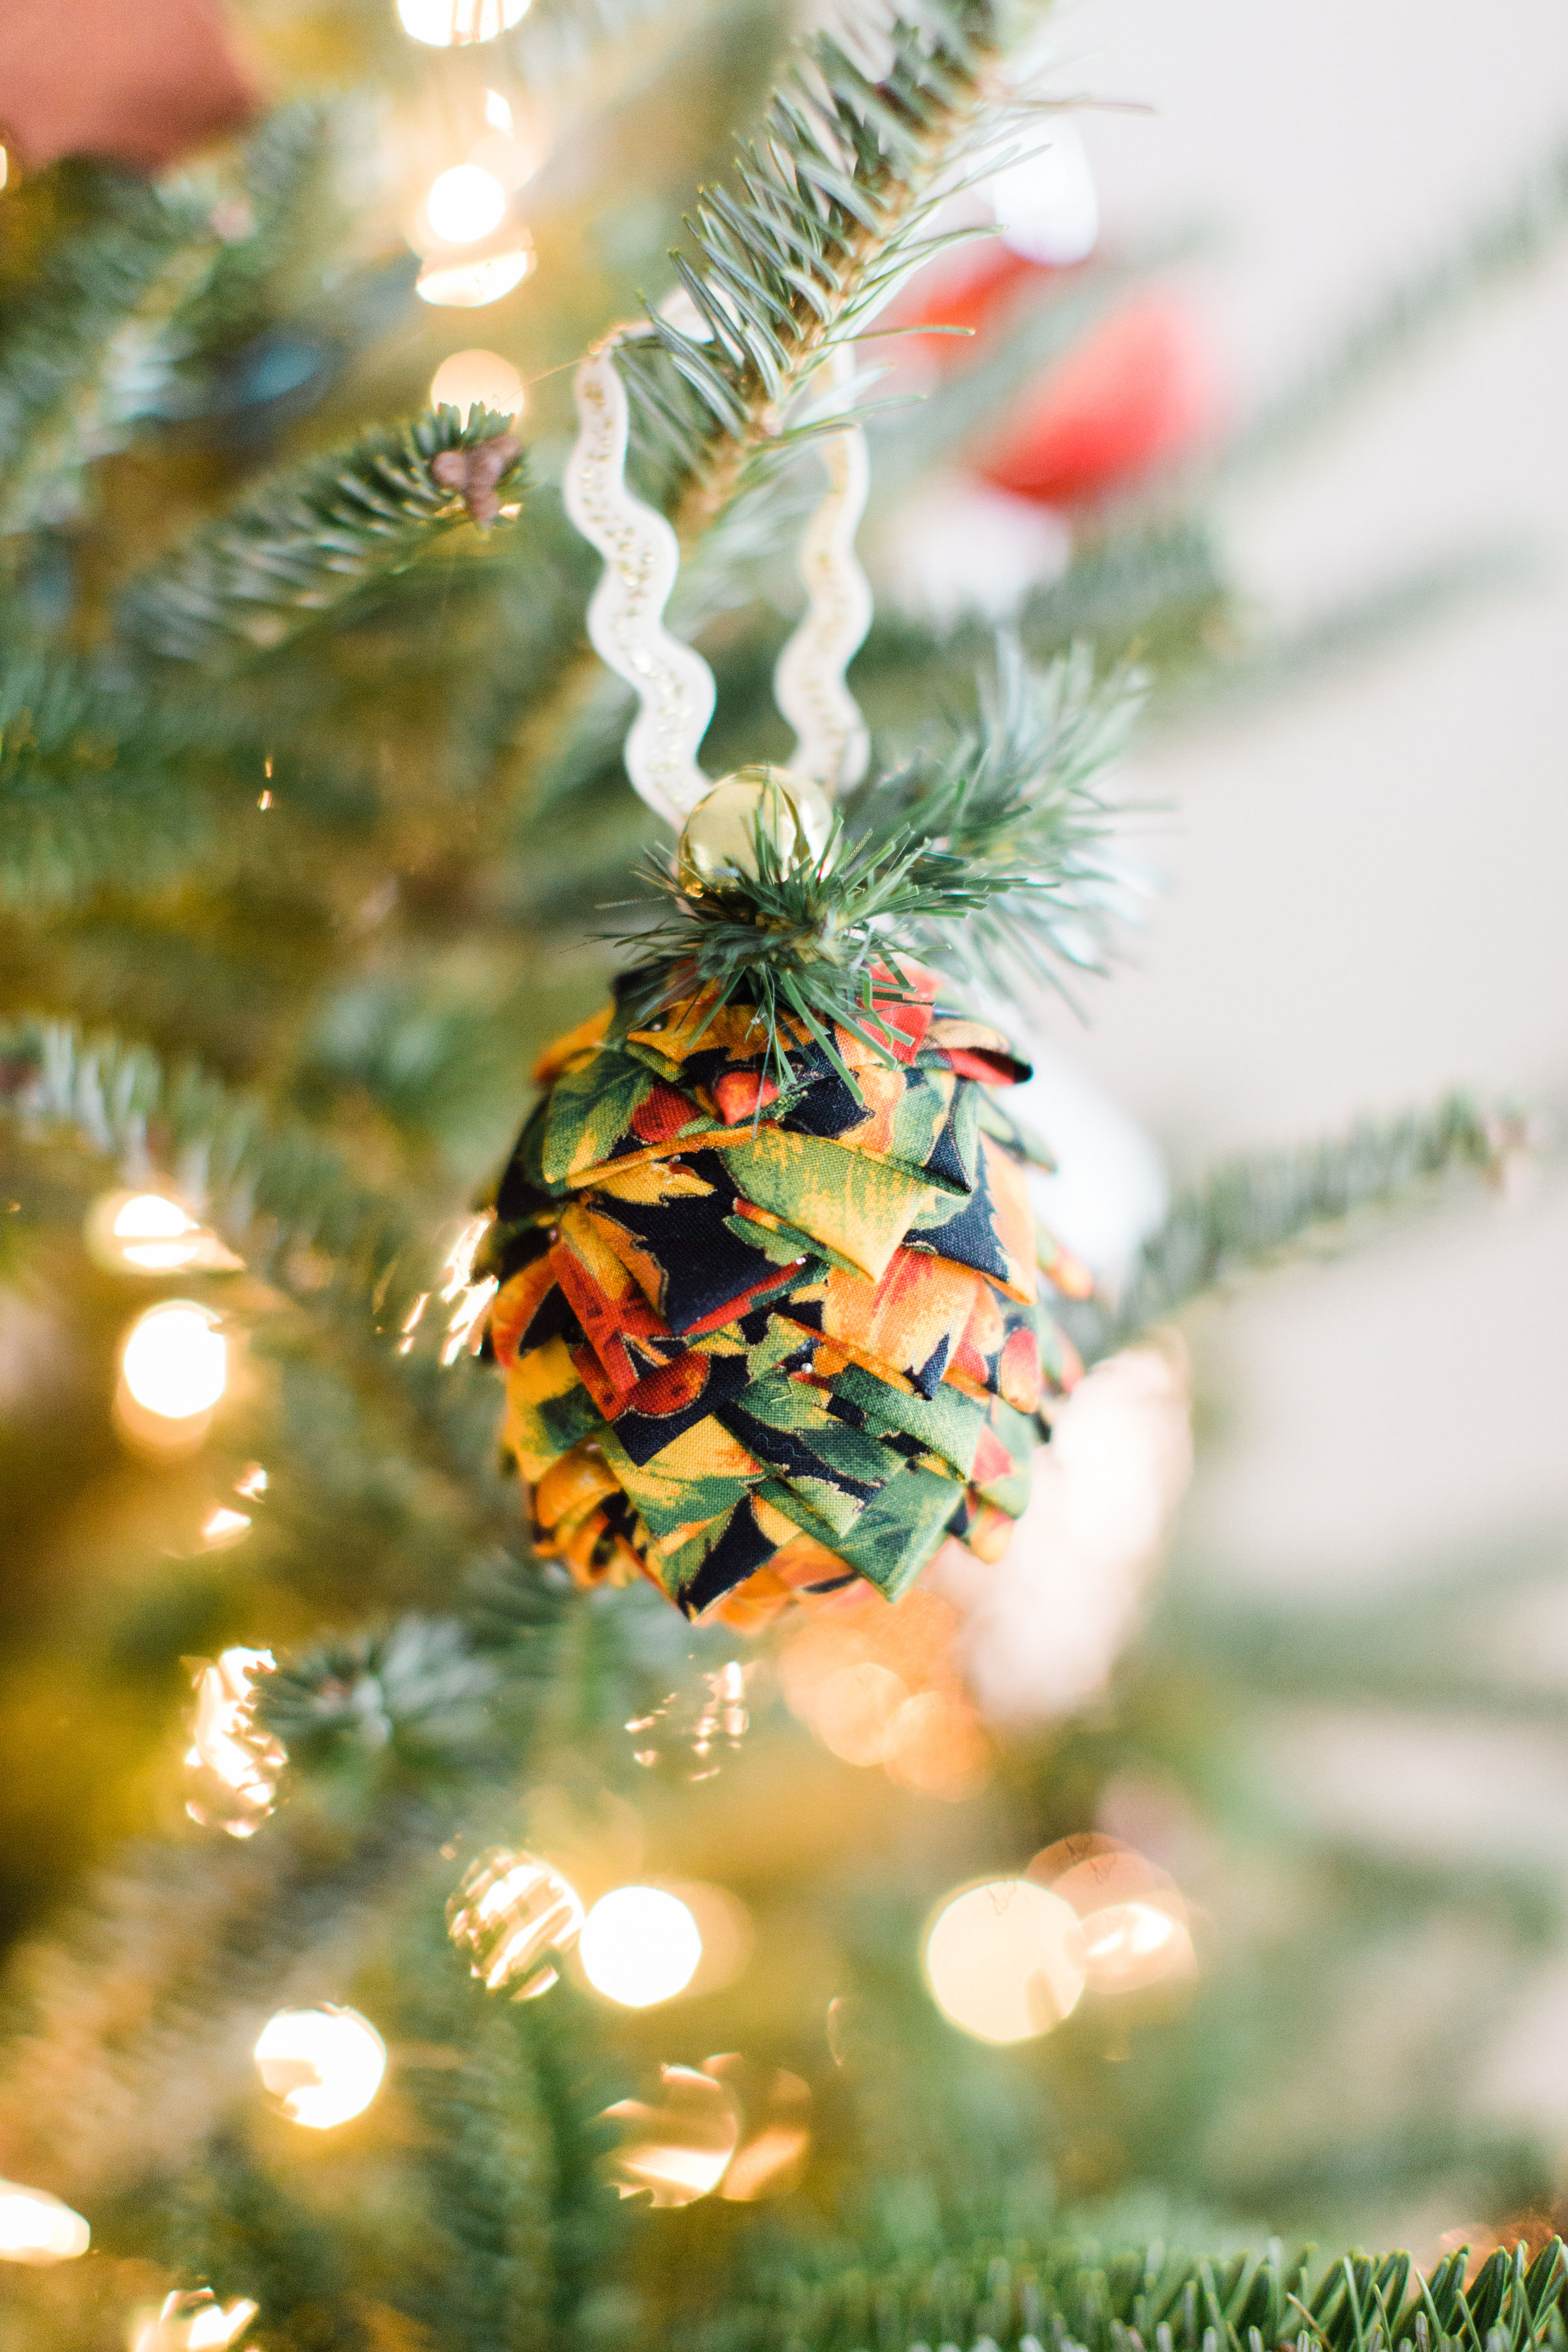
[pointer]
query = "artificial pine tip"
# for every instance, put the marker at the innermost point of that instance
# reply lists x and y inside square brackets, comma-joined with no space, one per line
[991,862]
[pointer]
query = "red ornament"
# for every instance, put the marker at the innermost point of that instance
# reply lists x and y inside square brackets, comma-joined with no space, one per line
[130,81]
[1141,388]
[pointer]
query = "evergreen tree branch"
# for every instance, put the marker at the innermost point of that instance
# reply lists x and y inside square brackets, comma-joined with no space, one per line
[1252,1210]
[272,1185]
[828,210]
[94,345]
[97,785]
[992,861]
[302,548]
[1071,2288]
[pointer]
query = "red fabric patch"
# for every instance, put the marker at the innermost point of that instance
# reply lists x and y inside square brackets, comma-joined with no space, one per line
[740,1094]
[672,1387]
[991,1069]
[663,1114]
[1018,1372]
[992,1460]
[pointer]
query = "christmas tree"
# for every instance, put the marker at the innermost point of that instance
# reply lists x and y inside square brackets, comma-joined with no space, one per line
[423,1933]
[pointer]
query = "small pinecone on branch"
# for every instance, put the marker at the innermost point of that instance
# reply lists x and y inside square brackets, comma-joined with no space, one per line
[759,1342]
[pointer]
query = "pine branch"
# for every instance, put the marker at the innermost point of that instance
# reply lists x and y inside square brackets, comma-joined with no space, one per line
[991,862]
[828,210]
[1091,2298]
[97,785]
[92,348]
[273,1186]
[305,546]
[1253,1210]
[277,207]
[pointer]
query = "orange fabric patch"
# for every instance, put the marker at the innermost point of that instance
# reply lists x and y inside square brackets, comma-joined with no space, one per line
[576,1046]
[515,1305]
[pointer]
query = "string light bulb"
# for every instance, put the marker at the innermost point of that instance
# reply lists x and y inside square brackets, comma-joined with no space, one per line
[465,204]
[459,24]
[39,2229]
[152,1233]
[234,1765]
[323,2067]
[193,2320]
[471,285]
[477,379]
[175,1359]
[639,1944]
[1005,1959]
[677,2144]
[514,1915]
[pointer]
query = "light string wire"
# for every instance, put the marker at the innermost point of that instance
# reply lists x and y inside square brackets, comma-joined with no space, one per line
[673,684]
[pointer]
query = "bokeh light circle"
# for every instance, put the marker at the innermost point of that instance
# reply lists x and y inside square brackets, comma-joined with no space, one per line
[639,1944]
[1006,1959]
[465,204]
[457,24]
[36,2228]
[321,2065]
[477,379]
[175,1359]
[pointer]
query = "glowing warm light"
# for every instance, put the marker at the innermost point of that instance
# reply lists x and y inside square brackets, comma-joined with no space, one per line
[467,1298]
[154,1230]
[935,1744]
[192,2321]
[222,1526]
[469,285]
[465,204]
[887,1689]
[498,113]
[477,379]
[639,1944]
[1133,1918]
[148,1233]
[724,1929]
[5,167]
[37,2228]
[854,1708]
[676,2144]
[236,1765]
[1005,1960]
[251,1483]
[321,2065]
[775,2133]
[1132,1944]
[515,1915]
[175,1359]
[459,24]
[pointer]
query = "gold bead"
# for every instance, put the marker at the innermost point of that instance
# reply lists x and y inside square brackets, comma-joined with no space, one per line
[720,840]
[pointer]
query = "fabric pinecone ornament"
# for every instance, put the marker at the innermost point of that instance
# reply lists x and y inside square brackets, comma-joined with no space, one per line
[768,1290]
[759,1341]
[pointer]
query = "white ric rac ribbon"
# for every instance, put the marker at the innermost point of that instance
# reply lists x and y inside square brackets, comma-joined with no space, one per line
[832,746]
[674,686]
[626,619]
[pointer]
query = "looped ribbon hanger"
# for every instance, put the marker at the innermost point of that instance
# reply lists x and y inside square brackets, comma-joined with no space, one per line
[673,684]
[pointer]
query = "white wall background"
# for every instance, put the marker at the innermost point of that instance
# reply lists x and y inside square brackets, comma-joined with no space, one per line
[1368,883]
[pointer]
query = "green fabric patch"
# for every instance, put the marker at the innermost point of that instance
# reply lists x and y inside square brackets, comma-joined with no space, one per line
[895,1536]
